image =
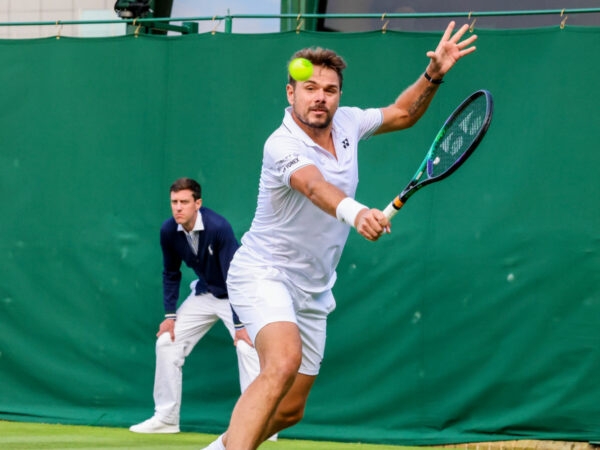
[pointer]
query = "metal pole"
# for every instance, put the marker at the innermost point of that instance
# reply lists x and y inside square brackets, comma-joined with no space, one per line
[228,22]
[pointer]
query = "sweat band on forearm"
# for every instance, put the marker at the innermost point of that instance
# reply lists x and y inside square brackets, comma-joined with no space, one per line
[347,210]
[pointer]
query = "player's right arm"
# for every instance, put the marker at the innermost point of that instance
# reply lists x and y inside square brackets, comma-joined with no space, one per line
[309,181]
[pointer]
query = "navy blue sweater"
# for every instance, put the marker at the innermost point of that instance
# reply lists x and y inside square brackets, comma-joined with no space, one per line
[216,247]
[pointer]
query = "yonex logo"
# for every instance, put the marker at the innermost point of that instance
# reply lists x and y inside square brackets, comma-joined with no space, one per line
[289,164]
[345,143]
[284,164]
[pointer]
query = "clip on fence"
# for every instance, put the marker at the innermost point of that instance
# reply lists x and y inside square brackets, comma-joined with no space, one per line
[384,26]
[562,22]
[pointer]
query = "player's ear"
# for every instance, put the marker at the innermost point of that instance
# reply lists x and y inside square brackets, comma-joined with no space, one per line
[289,90]
[198,203]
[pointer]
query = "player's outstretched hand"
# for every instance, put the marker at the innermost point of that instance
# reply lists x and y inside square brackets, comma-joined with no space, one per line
[449,50]
[372,223]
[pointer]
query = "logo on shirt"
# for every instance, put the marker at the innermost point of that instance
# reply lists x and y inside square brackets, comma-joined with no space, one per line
[286,163]
[345,143]
[210,250]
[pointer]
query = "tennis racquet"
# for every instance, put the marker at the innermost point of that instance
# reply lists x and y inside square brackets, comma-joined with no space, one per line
[455,142]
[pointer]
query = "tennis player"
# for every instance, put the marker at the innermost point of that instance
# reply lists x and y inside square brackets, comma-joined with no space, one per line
[205,241]
[280,279]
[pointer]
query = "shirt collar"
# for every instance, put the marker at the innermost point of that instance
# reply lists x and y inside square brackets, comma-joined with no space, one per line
[198,226]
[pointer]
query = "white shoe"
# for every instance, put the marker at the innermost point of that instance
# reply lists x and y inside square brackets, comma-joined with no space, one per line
[154,425]
[217,444]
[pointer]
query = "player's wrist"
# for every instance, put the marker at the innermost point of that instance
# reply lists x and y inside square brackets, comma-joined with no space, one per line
[433,74]
[347,211]
[172,316]
[433,78]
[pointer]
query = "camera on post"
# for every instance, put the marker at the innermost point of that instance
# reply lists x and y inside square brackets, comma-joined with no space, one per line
[133,9]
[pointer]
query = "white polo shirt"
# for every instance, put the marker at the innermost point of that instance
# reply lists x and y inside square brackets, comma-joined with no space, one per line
[288,231]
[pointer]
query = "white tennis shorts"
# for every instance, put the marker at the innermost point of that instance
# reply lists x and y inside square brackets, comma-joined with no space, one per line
[262,294]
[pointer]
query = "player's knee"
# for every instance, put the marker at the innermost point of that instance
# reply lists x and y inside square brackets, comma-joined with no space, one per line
[292,418]
[280,374]
[286,368]
[289,415]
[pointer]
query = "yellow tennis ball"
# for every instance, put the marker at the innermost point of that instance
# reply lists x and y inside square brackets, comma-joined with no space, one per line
[300,69]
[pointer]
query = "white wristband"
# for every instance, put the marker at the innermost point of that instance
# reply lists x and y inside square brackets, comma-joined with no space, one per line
[347,210]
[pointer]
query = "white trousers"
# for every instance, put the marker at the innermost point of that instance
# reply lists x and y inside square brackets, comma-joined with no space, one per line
[195,317]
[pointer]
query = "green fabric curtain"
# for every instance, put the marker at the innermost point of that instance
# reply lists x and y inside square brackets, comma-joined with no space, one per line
[476,319]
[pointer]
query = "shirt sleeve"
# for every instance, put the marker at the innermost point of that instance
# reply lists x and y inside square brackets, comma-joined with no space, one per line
[171,275]
[367,121]
[283,156]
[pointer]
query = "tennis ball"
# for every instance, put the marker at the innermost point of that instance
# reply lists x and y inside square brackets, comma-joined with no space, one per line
[300,69]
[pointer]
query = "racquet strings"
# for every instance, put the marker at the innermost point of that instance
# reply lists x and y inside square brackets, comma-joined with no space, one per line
[457,136]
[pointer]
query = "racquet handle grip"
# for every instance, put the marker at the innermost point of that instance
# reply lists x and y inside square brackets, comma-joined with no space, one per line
[392,209]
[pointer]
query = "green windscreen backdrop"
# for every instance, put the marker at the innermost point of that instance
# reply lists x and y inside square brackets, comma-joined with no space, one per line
[477,319]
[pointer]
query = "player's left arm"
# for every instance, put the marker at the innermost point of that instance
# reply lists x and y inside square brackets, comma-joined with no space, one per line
[412,103]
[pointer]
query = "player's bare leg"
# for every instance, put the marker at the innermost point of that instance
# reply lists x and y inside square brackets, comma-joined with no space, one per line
[291,408]
[280,352]
[289,412]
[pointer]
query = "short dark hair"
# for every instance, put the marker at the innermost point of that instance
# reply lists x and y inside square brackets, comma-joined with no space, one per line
[321,57]
[182,184]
